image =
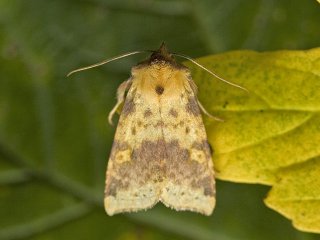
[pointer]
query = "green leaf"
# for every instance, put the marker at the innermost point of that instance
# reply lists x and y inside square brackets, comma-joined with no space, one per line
[271,135]
[296,195]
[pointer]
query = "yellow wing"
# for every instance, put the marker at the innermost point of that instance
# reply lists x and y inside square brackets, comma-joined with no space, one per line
[190,183]
[135,167]
[160,151]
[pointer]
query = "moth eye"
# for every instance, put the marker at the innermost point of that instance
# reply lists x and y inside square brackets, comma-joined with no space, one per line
[159,89]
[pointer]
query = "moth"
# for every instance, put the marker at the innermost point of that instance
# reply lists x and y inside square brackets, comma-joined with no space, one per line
[160,151]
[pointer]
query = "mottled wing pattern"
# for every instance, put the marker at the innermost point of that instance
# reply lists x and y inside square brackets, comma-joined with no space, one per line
[190,183]
[160,151]
[135,166]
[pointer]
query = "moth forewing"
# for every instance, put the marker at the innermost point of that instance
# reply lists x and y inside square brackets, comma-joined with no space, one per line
[160,150]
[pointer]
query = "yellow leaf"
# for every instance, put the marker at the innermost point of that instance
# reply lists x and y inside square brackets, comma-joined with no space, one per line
[272,132]
[297,193]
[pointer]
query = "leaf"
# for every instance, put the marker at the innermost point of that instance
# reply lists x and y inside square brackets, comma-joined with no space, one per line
[296,195]
[271,135]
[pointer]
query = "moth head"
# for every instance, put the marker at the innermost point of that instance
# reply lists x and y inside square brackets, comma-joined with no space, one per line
[162,56]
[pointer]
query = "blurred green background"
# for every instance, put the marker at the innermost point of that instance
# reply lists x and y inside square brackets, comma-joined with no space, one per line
[54,136]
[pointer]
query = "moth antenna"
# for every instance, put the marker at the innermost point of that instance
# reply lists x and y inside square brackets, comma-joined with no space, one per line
[207,113]
[105,61]
[207,70]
